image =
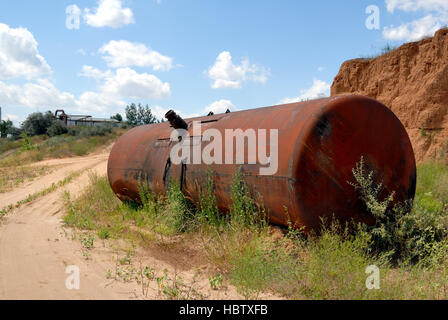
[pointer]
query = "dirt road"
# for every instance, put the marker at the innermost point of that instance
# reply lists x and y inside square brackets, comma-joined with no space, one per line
[36,250]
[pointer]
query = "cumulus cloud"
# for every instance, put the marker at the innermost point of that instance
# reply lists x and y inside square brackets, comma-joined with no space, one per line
[19,56]
[41,93]
[216,107]
[415,5]
[126,54]
[436,17]
[109,13]
[227,75]
[114,88]
[99,102]
[127,82]
[415,30]
[92,72]
[220,106]
[319,89]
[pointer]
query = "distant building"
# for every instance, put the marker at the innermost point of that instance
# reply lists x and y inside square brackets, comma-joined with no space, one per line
[82,120]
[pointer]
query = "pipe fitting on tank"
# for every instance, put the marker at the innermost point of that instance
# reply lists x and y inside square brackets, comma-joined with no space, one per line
[175,120]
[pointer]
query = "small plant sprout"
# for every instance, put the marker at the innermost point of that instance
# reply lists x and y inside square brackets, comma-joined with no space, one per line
[216,282]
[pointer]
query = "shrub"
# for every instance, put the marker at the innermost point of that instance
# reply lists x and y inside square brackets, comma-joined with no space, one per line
[27,144]
[244,210]
[14,133]
[208,212]
[401,234]
[74,131]
[95,131]
[38,123]
[5,127]
[56,129]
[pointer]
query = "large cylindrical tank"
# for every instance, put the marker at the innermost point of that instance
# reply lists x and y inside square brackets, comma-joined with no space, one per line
[319,143]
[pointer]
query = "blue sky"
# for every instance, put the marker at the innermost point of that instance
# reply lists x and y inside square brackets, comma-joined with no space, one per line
[190,55]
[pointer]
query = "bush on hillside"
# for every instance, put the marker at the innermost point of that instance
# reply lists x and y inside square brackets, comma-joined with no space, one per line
[56,129]
[82,131]
[38,123]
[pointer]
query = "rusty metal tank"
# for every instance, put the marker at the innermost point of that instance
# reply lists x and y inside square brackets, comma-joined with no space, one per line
[319,143]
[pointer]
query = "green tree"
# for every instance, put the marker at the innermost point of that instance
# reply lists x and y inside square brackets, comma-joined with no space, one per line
[38,123]
[139,115]
[117,117]
[145,115]
[15,133]
[131,115]
[5,128]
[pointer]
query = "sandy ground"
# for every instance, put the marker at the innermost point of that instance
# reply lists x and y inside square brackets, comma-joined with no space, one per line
[35,248]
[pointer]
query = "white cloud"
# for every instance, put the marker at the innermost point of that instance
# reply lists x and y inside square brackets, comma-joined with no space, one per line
[12,117]
[41,93]
[91,72]
[220,106]
[127,82]
[216,107]
[126,54]
[73,20]
[416,5]
[109,13]
[416,29]
[320,89]
[99,102]
[160,112]
[19,56]
[227,75]
[436,17]
[114,88]
[44,93]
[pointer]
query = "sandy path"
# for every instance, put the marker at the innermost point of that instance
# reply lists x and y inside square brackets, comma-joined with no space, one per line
[63,168]
[35,249]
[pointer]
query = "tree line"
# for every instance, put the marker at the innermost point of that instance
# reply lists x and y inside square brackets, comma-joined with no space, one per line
[39,123]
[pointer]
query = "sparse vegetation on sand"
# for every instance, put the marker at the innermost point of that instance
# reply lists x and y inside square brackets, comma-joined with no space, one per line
[78,141]
[31,197]
[410,250]
[13,177]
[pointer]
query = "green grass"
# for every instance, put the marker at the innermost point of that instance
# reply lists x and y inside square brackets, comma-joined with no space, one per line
[385,50]
[256,258]
[7,145]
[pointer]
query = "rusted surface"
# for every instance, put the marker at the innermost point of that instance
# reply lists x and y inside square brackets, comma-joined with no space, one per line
[320,143]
